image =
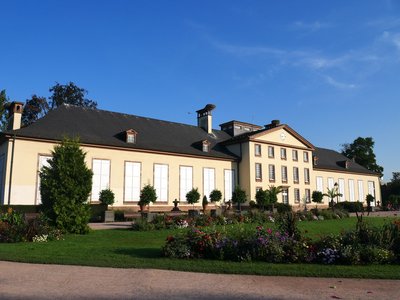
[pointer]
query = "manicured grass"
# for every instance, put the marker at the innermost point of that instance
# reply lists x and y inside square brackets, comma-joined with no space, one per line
[130,249]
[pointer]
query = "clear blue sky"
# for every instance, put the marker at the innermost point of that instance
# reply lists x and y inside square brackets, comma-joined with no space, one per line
[329,69]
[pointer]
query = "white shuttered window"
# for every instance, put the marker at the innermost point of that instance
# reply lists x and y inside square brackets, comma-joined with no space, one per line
[320,184]
[341,189]
[351,190]
[229,178]
[161,181]
[360,191]
[186,181]
[101,177]
[132,181]
[208,181]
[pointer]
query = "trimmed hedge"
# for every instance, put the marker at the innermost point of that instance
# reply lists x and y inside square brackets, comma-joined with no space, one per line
[350,206]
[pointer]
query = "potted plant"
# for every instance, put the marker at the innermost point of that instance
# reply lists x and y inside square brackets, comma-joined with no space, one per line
[193,197]
[107,198]
[147,195]
[239,197]
[215,196]
[317,198]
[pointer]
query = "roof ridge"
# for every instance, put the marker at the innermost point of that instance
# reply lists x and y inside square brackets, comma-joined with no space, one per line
[132,115]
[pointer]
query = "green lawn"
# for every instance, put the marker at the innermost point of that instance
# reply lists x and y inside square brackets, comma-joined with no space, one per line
[130,249]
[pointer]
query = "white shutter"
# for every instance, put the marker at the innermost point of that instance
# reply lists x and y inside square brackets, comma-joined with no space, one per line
[361,191]
[371,188]
[186,181]
[209,181]
[161,181]
[229,179]
[320,184]
[132,181]
[101,177]
[341,190]
[330,183]
[351,190]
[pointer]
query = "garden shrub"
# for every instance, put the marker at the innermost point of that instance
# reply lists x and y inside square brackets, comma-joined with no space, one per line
[350,206]
[12,227]
[283,208]
[65,186]
[106,197]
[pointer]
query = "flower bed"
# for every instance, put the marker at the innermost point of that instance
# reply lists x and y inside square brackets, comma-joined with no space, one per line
[364,245]
[14,228]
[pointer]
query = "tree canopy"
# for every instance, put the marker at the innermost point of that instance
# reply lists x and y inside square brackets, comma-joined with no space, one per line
[36,107]
[362,151]
[70,94]
[3,110]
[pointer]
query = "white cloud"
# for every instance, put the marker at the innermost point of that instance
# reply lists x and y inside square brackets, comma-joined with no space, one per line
[313,26]
[339,85]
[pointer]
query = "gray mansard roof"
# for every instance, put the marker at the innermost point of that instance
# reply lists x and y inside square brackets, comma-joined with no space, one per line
[100,127]
[332,160]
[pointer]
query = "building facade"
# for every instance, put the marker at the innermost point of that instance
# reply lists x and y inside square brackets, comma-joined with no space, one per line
[126,152]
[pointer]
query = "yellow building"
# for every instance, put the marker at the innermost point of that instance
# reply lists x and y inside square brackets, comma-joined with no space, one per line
[126,152]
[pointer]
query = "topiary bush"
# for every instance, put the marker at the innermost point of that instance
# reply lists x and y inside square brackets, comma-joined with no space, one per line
[65,186]
[107,197]
[215,195]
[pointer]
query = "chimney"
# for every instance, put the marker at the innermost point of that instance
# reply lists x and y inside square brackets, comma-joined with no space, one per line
[274,123]
[14,115]
[204,118]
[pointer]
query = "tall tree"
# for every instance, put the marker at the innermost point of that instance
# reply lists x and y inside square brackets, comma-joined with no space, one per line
[34,109]
[362,151]
[3,110]
[70,94]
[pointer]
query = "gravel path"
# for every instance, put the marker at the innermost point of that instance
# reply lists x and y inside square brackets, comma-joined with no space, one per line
[31,281]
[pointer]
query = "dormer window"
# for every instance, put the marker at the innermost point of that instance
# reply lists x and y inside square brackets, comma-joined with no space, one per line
[206,146]
[131,136]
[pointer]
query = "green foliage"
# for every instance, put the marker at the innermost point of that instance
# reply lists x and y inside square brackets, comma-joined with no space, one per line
[34,109]
[350,206]
[287,223]
[65,187]
[147,195]
[107,197]
[332,194]
[12,227]
[70,94]
[193,196]
[274,191]
[4,101]
[317,197]
[262,198]
[283,207]
[215,195]
[362,151]
[238,195]
[204,201]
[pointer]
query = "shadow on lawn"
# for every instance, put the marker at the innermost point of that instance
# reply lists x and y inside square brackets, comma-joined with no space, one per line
[140,252]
